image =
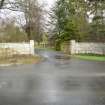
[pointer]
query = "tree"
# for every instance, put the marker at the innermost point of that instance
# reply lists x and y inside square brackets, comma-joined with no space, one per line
[1,3]
[97,30]
[67,25]
[10,32]
[33,16]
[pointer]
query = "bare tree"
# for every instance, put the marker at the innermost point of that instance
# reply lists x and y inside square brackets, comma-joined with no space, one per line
[33,17]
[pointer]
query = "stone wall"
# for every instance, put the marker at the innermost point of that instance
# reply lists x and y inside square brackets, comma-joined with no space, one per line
[18,48]
[87,48]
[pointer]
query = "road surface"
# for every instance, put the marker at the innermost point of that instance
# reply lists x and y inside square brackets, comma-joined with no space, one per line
[57,80]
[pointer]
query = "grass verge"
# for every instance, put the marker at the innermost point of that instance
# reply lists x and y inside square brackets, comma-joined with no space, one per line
[20,59]
[90,57]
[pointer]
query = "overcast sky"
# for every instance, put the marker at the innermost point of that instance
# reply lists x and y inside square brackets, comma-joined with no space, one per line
[50,2]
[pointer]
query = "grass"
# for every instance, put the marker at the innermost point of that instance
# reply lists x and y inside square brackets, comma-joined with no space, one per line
[20,59]
[90,57]
[10,56]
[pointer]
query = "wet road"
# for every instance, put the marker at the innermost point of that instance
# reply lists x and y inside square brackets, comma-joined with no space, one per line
[58,80]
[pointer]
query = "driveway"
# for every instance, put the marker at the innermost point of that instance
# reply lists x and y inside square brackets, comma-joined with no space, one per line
[57,80]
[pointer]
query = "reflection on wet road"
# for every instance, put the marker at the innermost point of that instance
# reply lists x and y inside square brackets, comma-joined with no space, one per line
[58,80]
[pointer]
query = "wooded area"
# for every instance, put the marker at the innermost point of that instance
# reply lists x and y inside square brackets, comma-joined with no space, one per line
[82,20]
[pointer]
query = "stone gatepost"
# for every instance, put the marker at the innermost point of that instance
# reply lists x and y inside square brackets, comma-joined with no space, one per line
[72,46]
[32,47]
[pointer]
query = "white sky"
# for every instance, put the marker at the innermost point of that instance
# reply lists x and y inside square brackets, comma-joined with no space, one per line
[50,2]
[47,3]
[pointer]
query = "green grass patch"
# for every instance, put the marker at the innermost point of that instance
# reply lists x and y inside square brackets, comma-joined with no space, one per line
[90,57]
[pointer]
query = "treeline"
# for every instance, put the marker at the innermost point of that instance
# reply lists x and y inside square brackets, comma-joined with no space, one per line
[11,32]
[32,20]
[82,20]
